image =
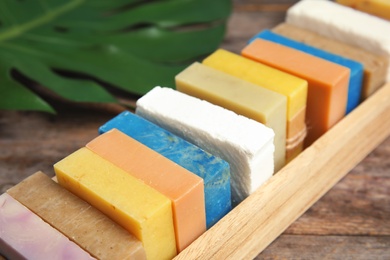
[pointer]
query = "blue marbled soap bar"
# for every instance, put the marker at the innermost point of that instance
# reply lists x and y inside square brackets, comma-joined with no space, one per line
[214,171]
[356,78]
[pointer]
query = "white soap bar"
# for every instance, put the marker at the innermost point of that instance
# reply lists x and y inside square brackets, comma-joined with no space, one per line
[245,144]
[344,24]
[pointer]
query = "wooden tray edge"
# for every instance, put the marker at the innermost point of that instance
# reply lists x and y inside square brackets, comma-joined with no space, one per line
[262,217]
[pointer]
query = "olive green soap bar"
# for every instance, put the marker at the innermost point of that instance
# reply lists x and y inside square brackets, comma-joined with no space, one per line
[294,88]
[242,97]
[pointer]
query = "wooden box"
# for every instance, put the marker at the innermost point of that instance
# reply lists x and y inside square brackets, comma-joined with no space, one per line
[257,221]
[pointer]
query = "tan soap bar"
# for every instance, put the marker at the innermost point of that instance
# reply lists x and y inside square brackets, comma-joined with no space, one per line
[374,65]
[182,187]
[328,83]
[242,97]
[79,221]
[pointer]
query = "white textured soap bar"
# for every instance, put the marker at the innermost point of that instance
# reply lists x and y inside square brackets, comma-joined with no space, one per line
[343,24]
[244,143]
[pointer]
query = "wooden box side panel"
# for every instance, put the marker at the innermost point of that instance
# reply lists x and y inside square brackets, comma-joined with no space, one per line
[257,221]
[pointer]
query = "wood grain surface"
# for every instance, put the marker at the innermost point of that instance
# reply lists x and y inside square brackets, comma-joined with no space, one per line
[352,221]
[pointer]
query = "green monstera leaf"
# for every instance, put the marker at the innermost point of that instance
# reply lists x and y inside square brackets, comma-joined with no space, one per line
[132,45]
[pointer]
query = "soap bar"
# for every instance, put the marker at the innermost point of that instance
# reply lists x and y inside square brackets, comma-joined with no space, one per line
[295,89]
[214,171]
[83,224]
[182,187]
[356,69]
[343,24]
[380,8]
[23,235]
[245,144]
[328,82]
[375,66]
[242,97]
[141,210]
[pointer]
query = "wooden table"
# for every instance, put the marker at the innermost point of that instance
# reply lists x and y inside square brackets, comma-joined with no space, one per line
[352,221]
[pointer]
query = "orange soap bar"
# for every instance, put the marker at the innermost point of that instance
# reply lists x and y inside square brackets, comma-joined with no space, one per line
[183,188]
[328,82]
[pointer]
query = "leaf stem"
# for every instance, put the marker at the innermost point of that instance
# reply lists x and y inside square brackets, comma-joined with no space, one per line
[17,30]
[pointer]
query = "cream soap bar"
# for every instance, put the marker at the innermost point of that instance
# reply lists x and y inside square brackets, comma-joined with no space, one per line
[328,82]
[214,171]
[244,143]
[140,209]
[242,97]
[23,235]
[182,187]
[344,24]
[375,66]
[83,224]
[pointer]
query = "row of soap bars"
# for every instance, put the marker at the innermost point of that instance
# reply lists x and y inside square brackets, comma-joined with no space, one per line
[154,181]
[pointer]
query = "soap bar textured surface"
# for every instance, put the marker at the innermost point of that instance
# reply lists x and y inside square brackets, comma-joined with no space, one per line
[242,97]
[344,24]
[182,187]
[328,82]
[83,224]
[214,171]
[140,209]
[23,235]
[356,69]
[375,66]
[244,143]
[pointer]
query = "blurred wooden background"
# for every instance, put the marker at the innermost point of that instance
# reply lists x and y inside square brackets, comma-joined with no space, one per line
[352,221]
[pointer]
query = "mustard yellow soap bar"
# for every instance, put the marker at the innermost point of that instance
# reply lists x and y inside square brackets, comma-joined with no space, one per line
[242,97]
[141,210]
[380,8]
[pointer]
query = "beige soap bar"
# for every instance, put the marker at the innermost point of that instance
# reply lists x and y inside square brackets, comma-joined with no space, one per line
[374,65]
[241,97]
[79,221]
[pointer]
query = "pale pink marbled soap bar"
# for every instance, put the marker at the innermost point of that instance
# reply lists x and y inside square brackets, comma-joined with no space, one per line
[23,235]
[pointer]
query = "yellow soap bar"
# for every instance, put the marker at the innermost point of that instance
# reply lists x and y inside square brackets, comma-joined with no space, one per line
[294,88]
[140,209]
[182,187]
[380,8]
[242,97]
[92,230]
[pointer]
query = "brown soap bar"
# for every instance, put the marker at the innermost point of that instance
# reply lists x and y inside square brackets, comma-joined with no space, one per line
[375,66]
[80,222]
